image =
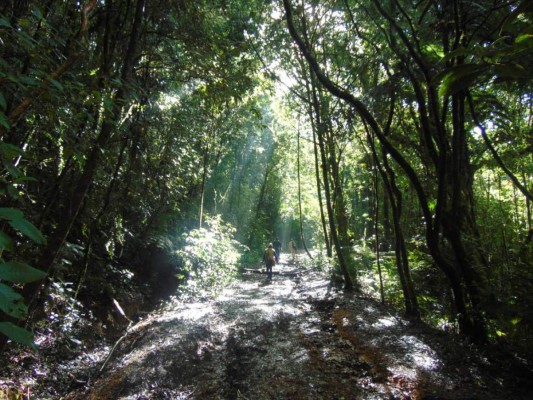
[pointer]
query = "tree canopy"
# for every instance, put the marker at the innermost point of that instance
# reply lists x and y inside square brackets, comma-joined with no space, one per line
[145,141]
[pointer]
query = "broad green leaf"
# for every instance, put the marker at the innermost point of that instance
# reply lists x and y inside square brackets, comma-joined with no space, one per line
[434,50]
[17,334]
[29,80]
[6,243]
[10,150]
[511,71]
[13,171]
[19,272]
[108,104]
[459,52]
[460,77]
[37,13]
[11,302]
[10,213]
[4,121]
[5,22]
[25,38]
[56,84]
[527,37]
[13,191]
[28,229]
[524,41]
[25,179]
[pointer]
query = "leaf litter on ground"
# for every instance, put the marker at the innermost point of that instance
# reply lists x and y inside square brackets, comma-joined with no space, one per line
[296,337]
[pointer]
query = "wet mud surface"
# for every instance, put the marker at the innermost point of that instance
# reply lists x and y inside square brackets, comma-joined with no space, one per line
[297,338]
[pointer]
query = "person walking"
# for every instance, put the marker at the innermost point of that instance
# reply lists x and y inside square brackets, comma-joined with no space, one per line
[269,258]
[292,248]
[277,247]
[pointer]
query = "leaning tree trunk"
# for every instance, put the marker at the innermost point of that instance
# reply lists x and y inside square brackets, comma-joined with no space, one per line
[202,185]
[320,200]
[464,277]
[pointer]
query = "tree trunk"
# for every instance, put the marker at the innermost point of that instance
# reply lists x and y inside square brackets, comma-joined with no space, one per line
[458,271]
[300,197]
[348,284]
[58,237]
[387,226]
[376,229]
[402,261]
[204,177]
[315,121]
[327,240]
[339,205]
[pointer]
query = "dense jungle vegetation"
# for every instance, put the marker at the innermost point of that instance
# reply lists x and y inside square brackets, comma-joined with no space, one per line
[155,146]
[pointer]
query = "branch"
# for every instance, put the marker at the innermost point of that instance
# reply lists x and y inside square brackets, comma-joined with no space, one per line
[416,57]
[19,110]
[493,151]
[363,112]
[85,17]
[273,75]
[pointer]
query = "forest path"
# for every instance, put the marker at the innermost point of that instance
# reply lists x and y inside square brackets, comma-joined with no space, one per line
[295,338]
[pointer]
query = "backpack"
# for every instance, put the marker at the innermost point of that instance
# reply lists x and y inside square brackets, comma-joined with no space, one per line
[270,255]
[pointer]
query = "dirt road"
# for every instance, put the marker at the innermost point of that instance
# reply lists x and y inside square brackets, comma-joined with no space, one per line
[296,338]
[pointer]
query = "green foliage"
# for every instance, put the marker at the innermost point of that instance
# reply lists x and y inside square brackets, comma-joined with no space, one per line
[209,256]
[320,260]
[17,333]
[19,272]
[11,302]
[187,124]
[183,93]
[364,257]
[459,78]
[506,57]
[17,221]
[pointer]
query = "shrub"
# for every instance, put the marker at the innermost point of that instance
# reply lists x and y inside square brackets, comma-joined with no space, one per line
[209,256]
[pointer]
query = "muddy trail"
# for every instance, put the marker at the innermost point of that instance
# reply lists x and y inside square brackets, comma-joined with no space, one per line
[297,338]
[293,338]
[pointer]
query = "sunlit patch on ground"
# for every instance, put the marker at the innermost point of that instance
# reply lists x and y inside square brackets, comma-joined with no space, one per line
[386,322]
[419,353]
[292,338]
[190,312]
